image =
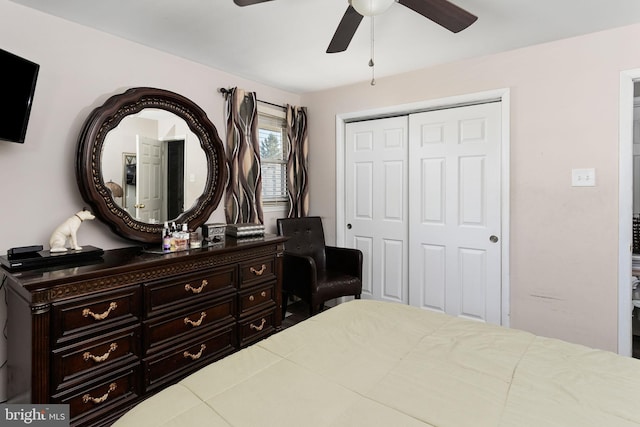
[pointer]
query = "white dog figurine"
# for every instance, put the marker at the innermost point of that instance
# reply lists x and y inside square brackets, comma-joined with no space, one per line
[67,232]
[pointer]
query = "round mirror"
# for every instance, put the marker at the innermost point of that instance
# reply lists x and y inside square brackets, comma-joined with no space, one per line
[150,156]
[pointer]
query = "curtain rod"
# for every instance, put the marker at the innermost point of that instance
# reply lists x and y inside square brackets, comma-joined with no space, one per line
[226,92]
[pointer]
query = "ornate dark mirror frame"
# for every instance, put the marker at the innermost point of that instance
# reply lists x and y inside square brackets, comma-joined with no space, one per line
[89,160]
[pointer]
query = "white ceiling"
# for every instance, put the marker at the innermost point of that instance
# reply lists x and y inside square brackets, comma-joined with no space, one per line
[282,43]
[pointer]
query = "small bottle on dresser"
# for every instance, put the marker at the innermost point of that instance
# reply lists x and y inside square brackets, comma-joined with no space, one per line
[185,236]
[173,239]
[180,241]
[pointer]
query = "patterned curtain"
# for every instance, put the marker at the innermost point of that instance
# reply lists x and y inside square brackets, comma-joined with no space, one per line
[297,163]
[243,199]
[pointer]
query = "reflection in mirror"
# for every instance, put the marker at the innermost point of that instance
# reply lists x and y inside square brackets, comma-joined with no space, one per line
[119,147]
[159,162]
[129,180]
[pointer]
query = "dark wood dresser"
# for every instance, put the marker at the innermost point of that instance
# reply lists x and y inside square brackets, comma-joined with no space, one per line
[103,335]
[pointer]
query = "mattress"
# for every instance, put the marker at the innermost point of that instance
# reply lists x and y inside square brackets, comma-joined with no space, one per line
[370,363]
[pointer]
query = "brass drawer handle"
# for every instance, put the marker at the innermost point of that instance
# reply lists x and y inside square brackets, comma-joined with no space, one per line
[86,356]
[87,398]
[188,287]
[263,268]
[194,356]
[87,312]
[262,294]
[188,321]
[258,328]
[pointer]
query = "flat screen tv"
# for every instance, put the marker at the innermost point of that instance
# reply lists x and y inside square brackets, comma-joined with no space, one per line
[17,85]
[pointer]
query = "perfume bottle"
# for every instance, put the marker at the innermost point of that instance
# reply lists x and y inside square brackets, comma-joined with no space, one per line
[173,240]
[184,235]
[166,238]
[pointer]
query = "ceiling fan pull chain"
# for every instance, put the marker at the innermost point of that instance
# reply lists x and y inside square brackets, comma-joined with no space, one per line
[371,63]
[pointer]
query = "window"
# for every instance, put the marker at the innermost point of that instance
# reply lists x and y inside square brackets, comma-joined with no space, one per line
[273,154]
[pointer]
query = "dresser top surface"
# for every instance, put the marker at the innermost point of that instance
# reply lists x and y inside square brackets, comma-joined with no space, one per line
[128,259]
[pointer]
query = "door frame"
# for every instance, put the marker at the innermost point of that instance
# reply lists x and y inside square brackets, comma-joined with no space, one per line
[625,209]
[502,95]
[175,174]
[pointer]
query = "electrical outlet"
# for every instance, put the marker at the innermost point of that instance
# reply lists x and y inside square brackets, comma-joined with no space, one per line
[583,177]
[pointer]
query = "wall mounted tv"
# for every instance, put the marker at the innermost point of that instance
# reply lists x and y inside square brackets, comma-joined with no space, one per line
[17,85]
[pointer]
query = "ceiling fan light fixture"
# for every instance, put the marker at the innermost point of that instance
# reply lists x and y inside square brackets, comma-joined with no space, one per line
[371,7]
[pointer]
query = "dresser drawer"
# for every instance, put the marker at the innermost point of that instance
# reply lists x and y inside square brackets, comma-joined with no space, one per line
[259,298]
[103,396]
[166,295]
[90,315]
[78,363]
[186,358]
[257,271]
[166,330]
[256,327]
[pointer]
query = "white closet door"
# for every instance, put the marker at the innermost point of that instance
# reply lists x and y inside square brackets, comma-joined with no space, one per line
[455,211]
[376,204]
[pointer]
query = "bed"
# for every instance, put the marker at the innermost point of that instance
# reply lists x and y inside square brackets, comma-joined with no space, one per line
[370,363]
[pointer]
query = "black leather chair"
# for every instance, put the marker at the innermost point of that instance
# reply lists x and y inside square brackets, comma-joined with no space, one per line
[314,272]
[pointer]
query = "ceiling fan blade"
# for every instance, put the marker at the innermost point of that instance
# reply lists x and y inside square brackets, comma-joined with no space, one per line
[442,12]
[248,2]
[345,31]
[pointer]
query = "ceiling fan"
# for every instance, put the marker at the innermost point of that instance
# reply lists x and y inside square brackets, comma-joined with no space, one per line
[442,12]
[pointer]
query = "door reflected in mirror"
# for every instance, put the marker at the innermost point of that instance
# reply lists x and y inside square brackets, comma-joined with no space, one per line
[159,162]
[187,182]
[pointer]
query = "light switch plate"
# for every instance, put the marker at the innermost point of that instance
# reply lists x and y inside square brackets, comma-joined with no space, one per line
[583,177]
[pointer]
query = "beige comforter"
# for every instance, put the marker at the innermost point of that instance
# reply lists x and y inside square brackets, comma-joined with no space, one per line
[368,363]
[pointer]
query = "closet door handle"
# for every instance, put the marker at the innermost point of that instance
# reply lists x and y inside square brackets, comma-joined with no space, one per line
[348,226]
[493,239]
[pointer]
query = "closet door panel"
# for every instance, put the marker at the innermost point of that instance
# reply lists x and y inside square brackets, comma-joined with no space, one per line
[376,204]
[455,211]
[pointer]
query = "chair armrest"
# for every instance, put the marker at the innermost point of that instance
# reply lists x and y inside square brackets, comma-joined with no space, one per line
[299,270]
[347,260]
